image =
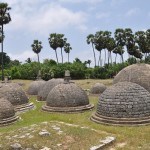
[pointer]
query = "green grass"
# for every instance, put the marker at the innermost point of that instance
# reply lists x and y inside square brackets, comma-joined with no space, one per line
[134,137]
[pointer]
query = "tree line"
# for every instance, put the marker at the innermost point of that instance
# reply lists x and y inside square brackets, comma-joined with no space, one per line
[136,44]
[55,41]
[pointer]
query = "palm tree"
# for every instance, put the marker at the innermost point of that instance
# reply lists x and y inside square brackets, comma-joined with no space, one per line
[110,47]
[67,49]
[99,44]
[36,47]
[120,40]
[61,43]
[90,39]
[89,62]
[119,50]
[4,19]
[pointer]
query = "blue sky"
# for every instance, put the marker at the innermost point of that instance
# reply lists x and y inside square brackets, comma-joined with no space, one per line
[36,19]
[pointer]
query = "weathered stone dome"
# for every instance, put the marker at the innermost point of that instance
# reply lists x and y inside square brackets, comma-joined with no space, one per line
[15,94]
[7,112]
[123,103]
[137,73]
[48,86]
[98,88]
[67,98]
[35,86]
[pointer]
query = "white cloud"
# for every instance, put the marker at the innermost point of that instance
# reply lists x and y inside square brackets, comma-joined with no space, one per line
[81,1]
[102,15]
[23,56]
[44,18]
[132,12]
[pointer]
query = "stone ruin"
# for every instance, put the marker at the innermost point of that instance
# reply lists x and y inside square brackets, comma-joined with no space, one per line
[98,88]
[136,73]
[35,86]
[15,94]
[7,112]
[124,103]
[48,86]
[67,97]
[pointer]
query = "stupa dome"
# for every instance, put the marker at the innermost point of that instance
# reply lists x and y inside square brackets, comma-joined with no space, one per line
[67,97]
[98,88]
[48,86]
[7,112]
[15,94]
[123,103]
[35,86]
[136,73]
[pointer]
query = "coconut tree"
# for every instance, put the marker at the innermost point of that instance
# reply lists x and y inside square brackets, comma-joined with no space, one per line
[53,42]
[67,49]
[4,19]
[90,39]
[61,43]
[36,47]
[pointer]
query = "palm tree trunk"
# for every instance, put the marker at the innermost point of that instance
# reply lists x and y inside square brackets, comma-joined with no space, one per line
[111,57]
[2,55]
[115,58]
[38,58]
[99,58]
[108,58]
[105,57]
[62,55]
[122,58]
[56,56]
[94,54]
[68,57]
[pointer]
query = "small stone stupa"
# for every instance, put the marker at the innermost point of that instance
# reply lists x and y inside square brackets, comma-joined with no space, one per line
[137,73]
[15,95]
[98,88]
[124,103]
[67,97]
[35,86]
[7,112]
[48,86]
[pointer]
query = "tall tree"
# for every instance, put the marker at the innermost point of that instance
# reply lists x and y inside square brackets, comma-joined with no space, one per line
[140,38]
[110,47]
[36,47]
[67,49]
[119,50]
[53,42]
[61,43]
[99,44]
[120,40]
[90,39]
[4,19]
[89,62]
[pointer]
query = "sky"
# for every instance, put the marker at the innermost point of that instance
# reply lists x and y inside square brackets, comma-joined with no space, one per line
[76,19]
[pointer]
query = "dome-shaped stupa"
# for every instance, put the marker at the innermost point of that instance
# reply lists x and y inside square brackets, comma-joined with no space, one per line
[15,94]
[7,112]
[67,97]
[124,103]
[98,88]
[48,86]
[35,86]
[136,73]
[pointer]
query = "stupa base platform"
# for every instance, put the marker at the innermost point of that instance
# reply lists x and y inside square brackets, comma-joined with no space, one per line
[120,121]
[24,107]
[67,109]
[8,121]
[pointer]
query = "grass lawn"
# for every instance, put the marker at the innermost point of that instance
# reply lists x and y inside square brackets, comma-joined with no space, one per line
[73,137]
